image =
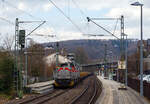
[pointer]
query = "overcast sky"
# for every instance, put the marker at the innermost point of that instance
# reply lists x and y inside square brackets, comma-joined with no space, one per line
[77,11]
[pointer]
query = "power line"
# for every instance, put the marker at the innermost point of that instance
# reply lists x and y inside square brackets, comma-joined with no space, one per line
[32,16]
[12,23]
[81,11]
[6,2]
[89,19]
[68,8]
[115,26]
[8,21]
[29,14]
[66,16]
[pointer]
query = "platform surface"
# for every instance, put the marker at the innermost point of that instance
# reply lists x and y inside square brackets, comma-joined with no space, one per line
[111,95]
[41,84]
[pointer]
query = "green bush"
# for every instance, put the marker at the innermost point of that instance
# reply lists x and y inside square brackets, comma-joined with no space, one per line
[6,73]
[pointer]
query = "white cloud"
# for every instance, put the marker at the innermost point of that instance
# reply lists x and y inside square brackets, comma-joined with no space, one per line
[65,30]
[132,20]
[21,6]
[63,35]
[100,4]
[46,31]
[47,7]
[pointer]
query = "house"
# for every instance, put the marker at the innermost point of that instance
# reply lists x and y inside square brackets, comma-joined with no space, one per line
[51,59]
[146,62]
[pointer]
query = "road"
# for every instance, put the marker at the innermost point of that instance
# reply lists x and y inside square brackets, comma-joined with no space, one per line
[111,94]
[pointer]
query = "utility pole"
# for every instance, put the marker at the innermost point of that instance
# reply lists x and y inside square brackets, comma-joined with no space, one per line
[26,65]
[19,45]
[57,54]
[126,75]
[123,46]
[45,75]
[16,73]
[122,39]
[105,61]
[123,59]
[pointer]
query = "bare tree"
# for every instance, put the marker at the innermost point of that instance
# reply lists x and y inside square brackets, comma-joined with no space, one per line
[8,42]
[35,60]
[81,55]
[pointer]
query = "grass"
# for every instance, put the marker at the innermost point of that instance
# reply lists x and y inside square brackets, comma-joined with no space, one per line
[5,96]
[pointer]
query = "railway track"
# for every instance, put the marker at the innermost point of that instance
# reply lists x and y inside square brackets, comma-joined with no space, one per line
[78,97]
[91,91]
[44,98]
[84,93]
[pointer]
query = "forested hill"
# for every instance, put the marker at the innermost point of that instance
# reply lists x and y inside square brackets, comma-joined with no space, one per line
[95,49]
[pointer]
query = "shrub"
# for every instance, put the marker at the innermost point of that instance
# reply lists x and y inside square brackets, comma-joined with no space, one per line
[6,72]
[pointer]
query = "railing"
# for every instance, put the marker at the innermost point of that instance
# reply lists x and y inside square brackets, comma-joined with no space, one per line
[135,84]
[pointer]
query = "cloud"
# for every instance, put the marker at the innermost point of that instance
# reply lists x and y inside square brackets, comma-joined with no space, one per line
[132,19]
[47,7]
[63,28]
[21,6]
[46,31]
[100,4]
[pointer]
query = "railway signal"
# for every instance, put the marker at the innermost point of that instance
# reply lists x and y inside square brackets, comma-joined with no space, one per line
[22,38]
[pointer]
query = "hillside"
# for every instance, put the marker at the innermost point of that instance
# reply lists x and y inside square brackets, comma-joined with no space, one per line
[95,49]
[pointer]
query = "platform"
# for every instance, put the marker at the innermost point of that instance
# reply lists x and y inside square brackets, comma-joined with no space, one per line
[111,95]
[40,87]
[40,84]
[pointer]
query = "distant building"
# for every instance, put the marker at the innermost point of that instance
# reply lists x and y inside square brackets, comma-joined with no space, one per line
[144,47]
[146,54]
[51,59]
[146,62]
[148,45]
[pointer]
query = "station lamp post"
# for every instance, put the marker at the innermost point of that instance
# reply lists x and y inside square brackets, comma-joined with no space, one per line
[26,61]
[126,60]
[141,47]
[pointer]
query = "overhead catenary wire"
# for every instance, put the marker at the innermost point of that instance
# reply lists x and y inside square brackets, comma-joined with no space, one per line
[61,11]
[11,23]
[49,24]
[104,18]
[8,21]
[32,16]
[6,2]
[108,19]
[81,11]
[115,26]
[102,27]
[84,15]
[68,8]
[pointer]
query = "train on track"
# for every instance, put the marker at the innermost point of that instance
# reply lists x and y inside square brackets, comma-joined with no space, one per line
[67,74]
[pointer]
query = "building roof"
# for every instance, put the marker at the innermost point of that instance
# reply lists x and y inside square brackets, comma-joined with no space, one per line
[51,59]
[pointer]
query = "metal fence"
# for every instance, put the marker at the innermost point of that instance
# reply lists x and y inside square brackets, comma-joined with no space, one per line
[135,84]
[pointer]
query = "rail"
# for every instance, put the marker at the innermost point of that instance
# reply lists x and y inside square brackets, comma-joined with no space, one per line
[43,98]
[94,90]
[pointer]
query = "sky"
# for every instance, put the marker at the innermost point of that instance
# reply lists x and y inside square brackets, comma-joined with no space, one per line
[74,24]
